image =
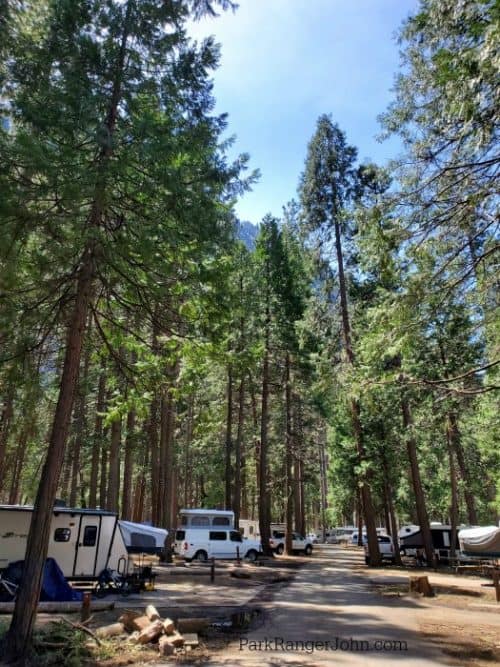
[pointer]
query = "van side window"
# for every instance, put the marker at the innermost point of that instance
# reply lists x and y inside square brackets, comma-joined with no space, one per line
[62,534]
[220,521]
[89,536]
[180,535]
[217,535]
[200,521]
[235,536]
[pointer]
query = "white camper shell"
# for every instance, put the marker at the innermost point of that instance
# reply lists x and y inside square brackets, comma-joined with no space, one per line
[82,541]
[201,518]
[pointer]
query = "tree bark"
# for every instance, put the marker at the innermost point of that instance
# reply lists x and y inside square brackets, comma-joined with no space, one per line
[470,502]
[423,517]
[324,479]
[238,461]
[128,467]
[80,427]
[288,459]
[23,619]
[368,510]
[113,494]
[5,423]
[453,488]
[97,438]
[228,472]
[264,498]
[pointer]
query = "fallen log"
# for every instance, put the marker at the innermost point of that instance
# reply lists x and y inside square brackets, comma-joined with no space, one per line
[192,624]
[60,607]
[176,640]
[421,585]
[240,574]
[112,630]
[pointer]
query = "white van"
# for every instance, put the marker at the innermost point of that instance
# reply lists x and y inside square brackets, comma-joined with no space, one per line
[201,544]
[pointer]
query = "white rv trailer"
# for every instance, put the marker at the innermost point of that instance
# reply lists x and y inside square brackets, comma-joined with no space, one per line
[82,541]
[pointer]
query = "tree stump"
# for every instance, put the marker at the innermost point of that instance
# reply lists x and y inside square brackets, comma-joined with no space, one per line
[421,585]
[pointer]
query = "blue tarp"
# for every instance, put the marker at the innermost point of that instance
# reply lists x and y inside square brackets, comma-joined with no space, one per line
[55,588]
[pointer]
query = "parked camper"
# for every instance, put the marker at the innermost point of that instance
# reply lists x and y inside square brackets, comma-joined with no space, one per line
[481,542]
[83,542]
[411,542]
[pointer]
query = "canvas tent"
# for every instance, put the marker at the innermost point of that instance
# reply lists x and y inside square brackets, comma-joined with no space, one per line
[140,538]
[480,542]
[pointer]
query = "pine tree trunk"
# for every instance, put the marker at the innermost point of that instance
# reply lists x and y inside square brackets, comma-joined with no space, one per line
[97,439]
[464,471]
[103,480]
[5,423]
[128,467]
[423,517]
[238,460]
[23,619]
[26,435]
[324,479]
[154,461]
[288,459]
[388,492]
[453,489]
[113,494]
[264,498]
[368,510]
[228,472]
[80,427]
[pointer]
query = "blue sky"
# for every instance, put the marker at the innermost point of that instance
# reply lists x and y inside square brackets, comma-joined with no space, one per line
[285,62]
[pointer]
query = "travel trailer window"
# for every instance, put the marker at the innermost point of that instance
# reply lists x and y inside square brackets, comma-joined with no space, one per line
[216,535]
[200,520]
[221,521]
[89,536]
[235,536]
[62,534]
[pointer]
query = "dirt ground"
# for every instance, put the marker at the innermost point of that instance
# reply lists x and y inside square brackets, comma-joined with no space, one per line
[463,618]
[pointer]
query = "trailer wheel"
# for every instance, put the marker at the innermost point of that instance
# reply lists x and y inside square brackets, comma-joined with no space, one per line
[201,556]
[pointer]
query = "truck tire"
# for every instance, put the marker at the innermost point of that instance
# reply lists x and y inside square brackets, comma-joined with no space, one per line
[201,556]
[280,549]
[308,550]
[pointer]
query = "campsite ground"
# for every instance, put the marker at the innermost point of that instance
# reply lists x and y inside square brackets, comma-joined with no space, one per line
[330,595]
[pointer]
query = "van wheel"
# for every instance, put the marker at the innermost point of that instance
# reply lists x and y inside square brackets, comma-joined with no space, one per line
[280,549]
[308,550]
[201,556]
[252,556]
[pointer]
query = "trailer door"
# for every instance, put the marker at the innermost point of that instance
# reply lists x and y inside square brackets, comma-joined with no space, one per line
[87,546]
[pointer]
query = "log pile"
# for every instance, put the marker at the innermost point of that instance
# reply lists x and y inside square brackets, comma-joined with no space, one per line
[150,628]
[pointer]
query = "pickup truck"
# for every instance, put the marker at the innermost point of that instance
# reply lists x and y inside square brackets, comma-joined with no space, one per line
[299,543]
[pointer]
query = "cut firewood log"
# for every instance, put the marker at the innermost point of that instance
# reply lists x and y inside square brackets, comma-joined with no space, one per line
[134,637]
[165,647]
[421,585]
[192,624]
[134,622]
[152,613]
[152,632]
[128,619]
[112,630]
[168,626]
